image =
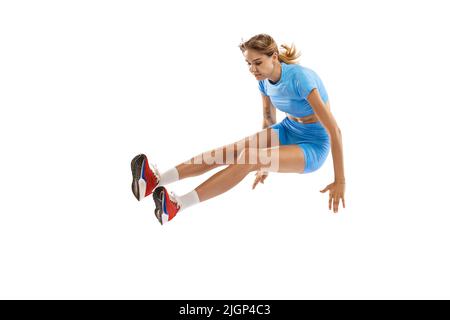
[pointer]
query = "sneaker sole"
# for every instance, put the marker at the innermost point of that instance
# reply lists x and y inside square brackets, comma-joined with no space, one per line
[138,185]
[158,197]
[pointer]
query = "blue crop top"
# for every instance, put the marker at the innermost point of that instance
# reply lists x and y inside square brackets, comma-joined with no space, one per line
[290,92]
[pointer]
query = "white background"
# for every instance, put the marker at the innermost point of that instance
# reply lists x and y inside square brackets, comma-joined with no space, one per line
[86,85]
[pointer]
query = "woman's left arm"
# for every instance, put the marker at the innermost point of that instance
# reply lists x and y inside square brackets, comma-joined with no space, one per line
[326,118]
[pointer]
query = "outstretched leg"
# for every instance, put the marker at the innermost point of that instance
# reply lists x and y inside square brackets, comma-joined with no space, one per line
[146,177]
[287,158]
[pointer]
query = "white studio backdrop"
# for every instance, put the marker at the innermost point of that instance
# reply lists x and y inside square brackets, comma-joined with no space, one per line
[86,85]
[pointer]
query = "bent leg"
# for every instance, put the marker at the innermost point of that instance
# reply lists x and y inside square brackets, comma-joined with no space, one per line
[287,158]
[227,154]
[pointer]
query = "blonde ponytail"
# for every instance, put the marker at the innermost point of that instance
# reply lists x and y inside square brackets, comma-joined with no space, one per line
[289,55]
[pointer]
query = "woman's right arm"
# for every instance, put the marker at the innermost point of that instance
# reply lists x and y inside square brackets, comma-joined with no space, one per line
[269,112]
[269,118]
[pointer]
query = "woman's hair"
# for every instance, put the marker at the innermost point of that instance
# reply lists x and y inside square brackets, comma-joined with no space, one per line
[265,44]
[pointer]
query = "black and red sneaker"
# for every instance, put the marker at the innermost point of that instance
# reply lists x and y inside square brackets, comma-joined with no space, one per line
[145,177]
[167,206]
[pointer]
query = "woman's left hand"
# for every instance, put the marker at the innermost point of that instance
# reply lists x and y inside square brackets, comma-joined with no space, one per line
[260,177]
[337,191]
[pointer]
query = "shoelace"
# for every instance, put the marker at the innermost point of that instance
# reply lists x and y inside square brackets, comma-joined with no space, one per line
[155,170]
[173,199]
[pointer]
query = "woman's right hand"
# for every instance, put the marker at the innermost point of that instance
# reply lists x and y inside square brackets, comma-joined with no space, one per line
[260,177]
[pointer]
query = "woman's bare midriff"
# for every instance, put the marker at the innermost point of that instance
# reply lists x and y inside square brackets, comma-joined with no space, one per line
[308,119]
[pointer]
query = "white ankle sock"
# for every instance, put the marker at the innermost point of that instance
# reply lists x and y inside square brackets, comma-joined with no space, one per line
[168,177]
[189,199]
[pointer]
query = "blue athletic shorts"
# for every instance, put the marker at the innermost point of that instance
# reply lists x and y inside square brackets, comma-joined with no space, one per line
[312,138]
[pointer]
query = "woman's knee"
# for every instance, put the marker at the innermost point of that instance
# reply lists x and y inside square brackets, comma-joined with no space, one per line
[248,159]
[235,151]
[231,152]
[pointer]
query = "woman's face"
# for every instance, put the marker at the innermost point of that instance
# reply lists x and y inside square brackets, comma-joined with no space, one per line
[259,64]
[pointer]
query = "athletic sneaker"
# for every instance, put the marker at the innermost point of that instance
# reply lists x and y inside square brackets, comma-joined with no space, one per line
[166,204]
[145,177]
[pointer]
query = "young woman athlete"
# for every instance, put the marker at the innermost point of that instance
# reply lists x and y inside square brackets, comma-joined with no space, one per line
[300,143]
